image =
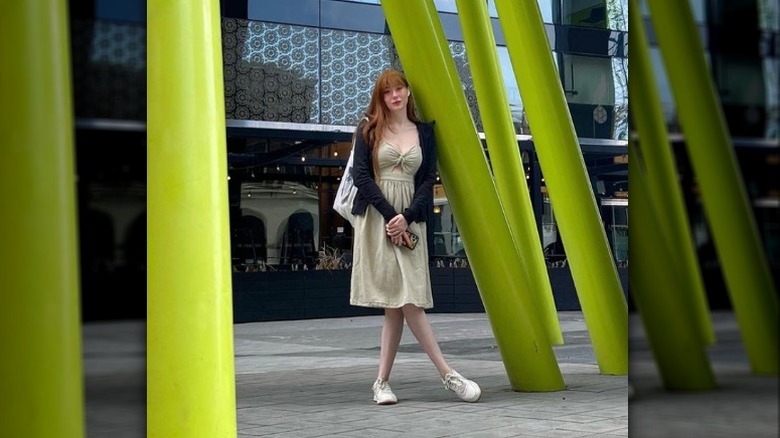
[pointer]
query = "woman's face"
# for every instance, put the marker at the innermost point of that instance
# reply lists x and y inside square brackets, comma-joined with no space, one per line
[396,98]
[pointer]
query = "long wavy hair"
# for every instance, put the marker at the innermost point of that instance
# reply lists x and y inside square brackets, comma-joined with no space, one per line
[379,115]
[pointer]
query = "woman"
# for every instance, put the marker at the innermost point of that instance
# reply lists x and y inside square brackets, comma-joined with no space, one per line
[394,170]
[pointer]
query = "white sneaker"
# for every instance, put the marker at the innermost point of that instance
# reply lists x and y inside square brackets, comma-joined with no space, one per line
[466,389]
[383,395]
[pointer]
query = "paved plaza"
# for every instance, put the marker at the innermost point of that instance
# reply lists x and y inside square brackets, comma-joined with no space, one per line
[312,378]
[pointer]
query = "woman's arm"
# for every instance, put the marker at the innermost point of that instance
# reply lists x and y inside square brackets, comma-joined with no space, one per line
[362,176]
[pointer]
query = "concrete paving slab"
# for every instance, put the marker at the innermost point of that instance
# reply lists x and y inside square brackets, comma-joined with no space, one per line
[743,405]
[312,378]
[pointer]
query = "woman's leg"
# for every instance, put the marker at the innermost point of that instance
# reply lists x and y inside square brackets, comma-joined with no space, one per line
[422,330]
[392,329]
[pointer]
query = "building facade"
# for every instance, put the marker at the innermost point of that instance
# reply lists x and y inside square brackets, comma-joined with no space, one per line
[742,47]
[297,76]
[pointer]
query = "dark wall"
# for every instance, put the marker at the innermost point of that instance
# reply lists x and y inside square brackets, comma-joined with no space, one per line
[270,296]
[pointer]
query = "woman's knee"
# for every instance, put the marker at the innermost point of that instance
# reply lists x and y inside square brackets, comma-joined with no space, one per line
[412,311]
[394,314]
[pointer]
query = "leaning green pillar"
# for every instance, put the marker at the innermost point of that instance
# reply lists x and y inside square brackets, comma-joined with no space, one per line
[592,266]
[522,341]
[729,214]
[41,371]
[190,365]
[673,333]
[661,176]
[505,157]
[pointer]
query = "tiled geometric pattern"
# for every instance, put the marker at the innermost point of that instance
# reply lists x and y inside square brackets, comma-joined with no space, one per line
[271,71]
[351,61]
[277,72]
[109,69]
[458,50]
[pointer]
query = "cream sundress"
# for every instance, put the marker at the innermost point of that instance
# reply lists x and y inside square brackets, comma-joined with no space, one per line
[385,275]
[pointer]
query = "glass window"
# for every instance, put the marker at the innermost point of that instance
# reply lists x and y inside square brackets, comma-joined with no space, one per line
[552,244]
[585,13]
[769,16]
[603,14]
[772,87]
[512,88]
[620,77]
[740,80]
[448,248]
[128,10]
[588,80]
[302,12]
[617,14]
[664,88]
[614,214]
[513,92]
[351,16]
[446,6]
[699,11]
[748,92]
[544,5]
[590,86]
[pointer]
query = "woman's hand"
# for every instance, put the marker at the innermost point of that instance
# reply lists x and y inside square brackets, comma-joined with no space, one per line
[397,240]
[396,226]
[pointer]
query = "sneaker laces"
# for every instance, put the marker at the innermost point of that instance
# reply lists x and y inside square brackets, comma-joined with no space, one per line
[452,380]
[382,385]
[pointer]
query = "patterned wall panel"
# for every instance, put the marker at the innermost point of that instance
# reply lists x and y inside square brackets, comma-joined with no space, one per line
[351,62]
[272,71]
[458,50]
[276,72]
[109,70]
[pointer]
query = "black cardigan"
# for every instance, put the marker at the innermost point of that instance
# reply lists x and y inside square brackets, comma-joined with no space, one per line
[369,193]
[368,190]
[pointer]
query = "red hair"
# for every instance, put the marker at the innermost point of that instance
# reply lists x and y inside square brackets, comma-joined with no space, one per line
[378,114]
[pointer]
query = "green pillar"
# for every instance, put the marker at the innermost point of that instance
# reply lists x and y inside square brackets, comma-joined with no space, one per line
[661,173]
[190,366]
[526,352]
[505,157]
[745,268]
[592,266]
[673,333]
[41,372]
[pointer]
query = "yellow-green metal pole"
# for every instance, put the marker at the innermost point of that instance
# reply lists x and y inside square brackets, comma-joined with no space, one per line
[505,157]
[41,376]
[750,285]
[526,352]
[592,266]
[190,367]
[661,173]
[673,334]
